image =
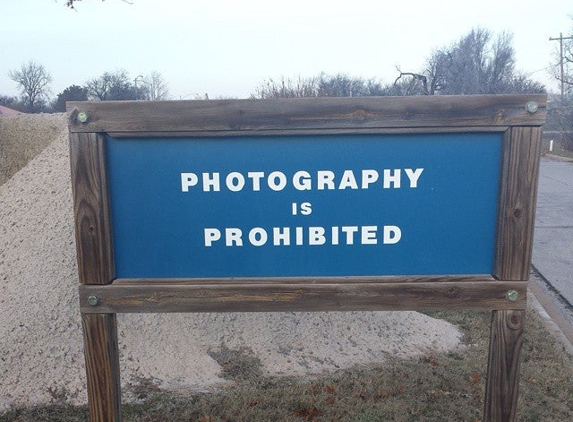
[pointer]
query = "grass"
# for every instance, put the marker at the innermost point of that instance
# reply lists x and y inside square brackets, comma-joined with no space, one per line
[436,387]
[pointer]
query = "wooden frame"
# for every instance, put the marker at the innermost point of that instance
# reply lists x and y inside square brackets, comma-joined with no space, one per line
[102,296]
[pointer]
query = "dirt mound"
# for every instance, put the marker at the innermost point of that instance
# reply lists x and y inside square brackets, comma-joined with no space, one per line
[23,136]
[41,356]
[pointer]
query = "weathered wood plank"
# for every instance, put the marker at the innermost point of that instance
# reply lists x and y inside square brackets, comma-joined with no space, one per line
[516,217]
[310,132]
[303,280]
[503,366]
[301,297]
[307,113]
[102,367]
[91,209]
[520,172]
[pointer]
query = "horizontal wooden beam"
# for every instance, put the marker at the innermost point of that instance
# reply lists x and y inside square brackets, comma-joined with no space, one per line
[282,297]
[281,116]
[244,281]
[308,132]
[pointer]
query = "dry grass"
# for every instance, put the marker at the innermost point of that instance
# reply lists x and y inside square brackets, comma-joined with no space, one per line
[447,387]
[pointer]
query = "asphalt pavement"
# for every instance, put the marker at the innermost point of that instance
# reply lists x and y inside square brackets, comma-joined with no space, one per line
[552,260]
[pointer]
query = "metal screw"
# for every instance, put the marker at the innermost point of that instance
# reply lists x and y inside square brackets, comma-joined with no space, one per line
[93,300]
[83,117]
[512,295]
[531,107]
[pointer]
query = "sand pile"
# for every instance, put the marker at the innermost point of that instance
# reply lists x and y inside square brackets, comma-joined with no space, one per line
[41,357]
[23,136]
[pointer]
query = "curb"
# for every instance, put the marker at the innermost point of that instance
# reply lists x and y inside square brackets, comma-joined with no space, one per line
[551,315]
[557,157]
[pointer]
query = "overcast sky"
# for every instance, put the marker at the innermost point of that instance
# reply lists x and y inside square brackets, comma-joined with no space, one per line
[228,47]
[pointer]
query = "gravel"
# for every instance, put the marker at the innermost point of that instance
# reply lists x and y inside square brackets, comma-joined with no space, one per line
[22,138]
[41,349]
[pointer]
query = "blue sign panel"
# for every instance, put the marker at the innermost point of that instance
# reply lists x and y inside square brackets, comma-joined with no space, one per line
[360,205]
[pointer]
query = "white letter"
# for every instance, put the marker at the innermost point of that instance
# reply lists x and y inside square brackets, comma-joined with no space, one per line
[261,234]
[279,237]
[207,182]
[256,176]
[301,180]
[306,208]
[369,235]
[392,235]
[282,181]
[348,180]
[335,235]
[413,176]
[316,236]
[388,178]
[369,177]
[211,235]
[299,238]
[188,180]
[349,230]
[324,178]
[240,181]
[233,235]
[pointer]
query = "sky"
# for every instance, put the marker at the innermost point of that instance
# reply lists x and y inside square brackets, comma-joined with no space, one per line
[226,48]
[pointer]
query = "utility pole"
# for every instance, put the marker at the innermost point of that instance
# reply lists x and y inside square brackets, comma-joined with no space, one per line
[560,39]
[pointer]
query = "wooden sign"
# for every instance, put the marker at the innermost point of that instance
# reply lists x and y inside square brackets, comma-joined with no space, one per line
[395,203]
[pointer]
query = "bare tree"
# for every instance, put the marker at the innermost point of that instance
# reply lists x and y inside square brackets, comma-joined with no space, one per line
[287,88]
[340,85]
[157,86]
[34,84]
[111,86]
[477,63]
[417,84]
[467,66]
[324,85]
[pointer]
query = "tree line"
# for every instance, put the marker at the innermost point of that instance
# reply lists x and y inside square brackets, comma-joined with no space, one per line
[478,63]
[34,80]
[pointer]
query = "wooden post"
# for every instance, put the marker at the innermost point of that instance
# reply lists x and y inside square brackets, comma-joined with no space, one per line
[96,267]
[503,366]
[102,367]
[516,219]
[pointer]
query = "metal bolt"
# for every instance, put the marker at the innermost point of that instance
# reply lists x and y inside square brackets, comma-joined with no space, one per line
[512,295]
[83,117]
[531,107]
[93,300]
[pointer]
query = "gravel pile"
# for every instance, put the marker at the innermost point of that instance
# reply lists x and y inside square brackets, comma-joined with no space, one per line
[41,356]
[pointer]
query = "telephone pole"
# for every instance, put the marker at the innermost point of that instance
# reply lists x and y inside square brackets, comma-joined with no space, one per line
[560,39]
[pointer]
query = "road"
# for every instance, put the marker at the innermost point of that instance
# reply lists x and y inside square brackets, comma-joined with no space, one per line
[553,242]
